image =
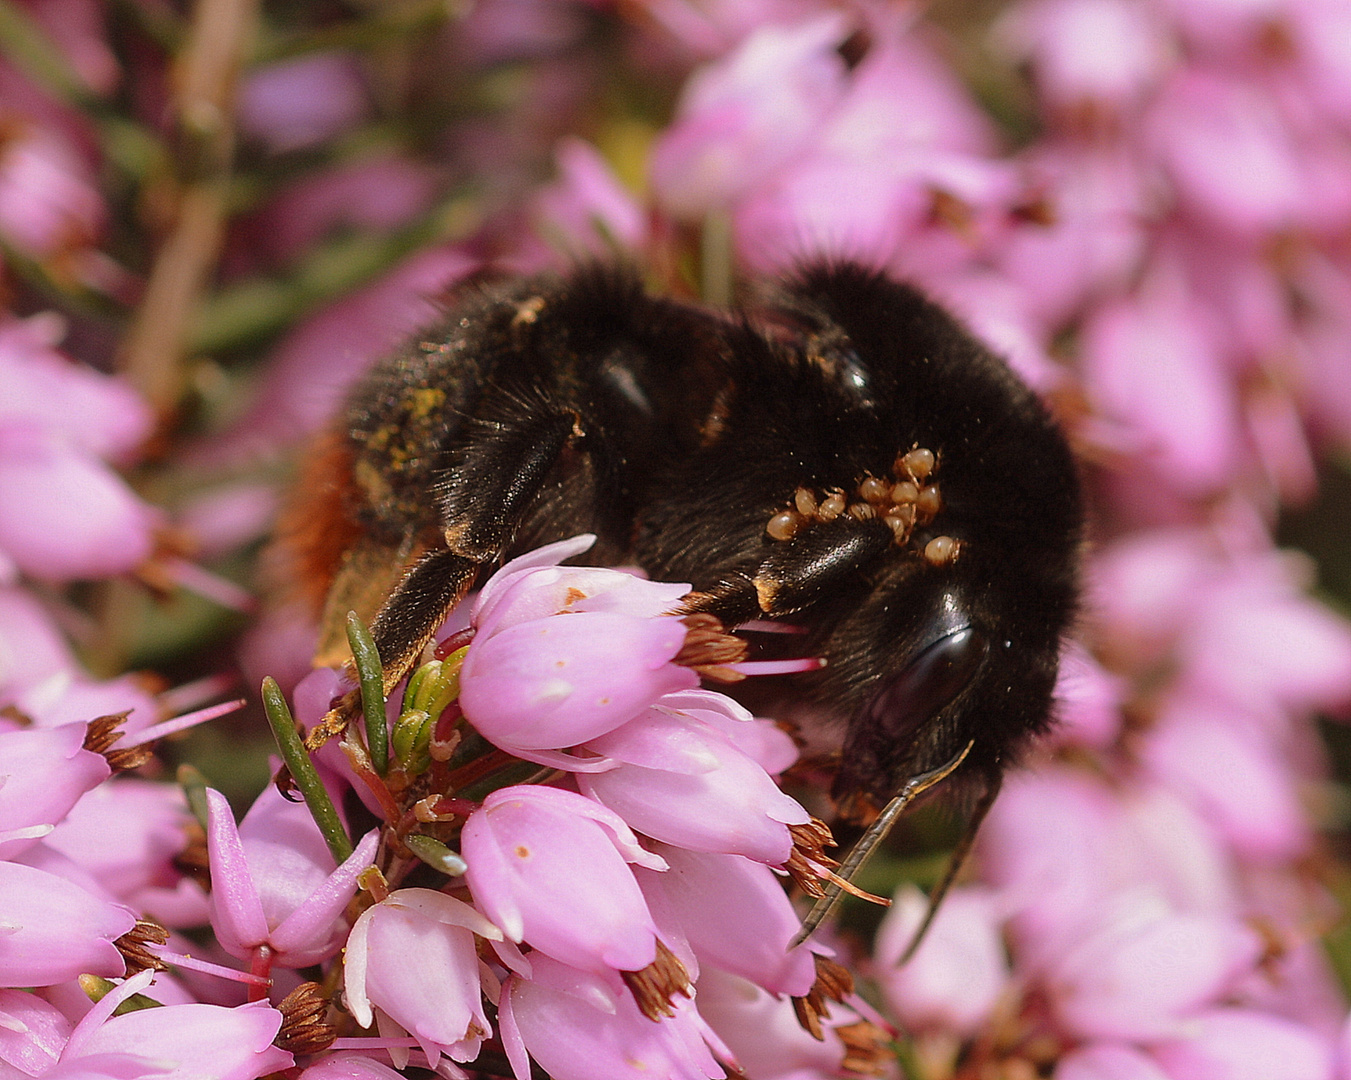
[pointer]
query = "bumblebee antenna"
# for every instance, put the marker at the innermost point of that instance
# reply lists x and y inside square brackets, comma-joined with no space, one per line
[876,833]
[955,862]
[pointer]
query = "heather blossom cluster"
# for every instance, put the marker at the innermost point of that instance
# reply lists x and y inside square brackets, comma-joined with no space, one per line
[554,847]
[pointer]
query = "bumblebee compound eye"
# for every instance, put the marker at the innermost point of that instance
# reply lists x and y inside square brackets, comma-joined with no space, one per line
[900,731]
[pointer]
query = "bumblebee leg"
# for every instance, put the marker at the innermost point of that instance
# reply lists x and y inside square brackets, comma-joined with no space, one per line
[485,495]
[797,573]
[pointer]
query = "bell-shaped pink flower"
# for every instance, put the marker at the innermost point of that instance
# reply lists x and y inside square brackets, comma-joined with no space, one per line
[683,782]
[274,883]
[1242,1044]
[1146,970]
[959,970]
[1108,1061]
[557,682]
[413,957]
[43,773]
[126,833]
[737,917]
[176,1042]
[576,1028]
[53,930]
[550,867]
[66,515]
[349,1066]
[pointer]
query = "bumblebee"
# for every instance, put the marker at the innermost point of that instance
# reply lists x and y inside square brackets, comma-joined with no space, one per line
[841,455]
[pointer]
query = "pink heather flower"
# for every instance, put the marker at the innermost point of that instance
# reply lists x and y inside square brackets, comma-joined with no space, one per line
[563,655]
[273,881]
[1090,54]
[65,514]
[412,958]
[524,847]
[43,774]
[1107,1061]
[1152,363]
[176,1042]
[1240,1044]
[736,917]
[767,744]
[126,833]
[94,413]
[763,1033]
[743,118]
[574,1025]
[33,1033]
[587,212]
[957,975]
[1227,762]
[1145,970]
[683,782]
[54,930]
[49,204]
[349,1066]
[304,101]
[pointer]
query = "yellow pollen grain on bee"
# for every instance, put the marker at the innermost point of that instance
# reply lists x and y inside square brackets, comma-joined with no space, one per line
[862,511]
[784,525]
[805,502]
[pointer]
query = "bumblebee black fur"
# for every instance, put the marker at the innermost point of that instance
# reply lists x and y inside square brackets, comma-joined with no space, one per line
[546,407]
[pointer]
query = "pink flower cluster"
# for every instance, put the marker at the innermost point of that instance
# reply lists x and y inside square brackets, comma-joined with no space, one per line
[599,938]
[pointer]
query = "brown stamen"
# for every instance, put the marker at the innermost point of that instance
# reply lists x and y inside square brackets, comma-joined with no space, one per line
[833,983]
[133,945]
[709,648]
[102,736]
[304,1026]
[655,985]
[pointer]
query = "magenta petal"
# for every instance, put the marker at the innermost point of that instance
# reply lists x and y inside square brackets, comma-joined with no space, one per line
[554,683]
[44,773]
[1108,1061]
[53,930]
[737,917]
[556,1018]
[308,934]
[548,872]
[236,911]
[66,515]
[32,1034]
[189,1042]
[1241,1044]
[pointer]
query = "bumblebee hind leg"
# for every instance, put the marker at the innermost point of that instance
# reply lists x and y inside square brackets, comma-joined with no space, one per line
[484,497]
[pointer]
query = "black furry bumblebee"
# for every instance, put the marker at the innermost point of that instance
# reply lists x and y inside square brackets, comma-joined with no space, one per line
[843,455]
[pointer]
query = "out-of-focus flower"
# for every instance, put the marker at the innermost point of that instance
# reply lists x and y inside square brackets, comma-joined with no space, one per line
[304,101]
[958,972]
